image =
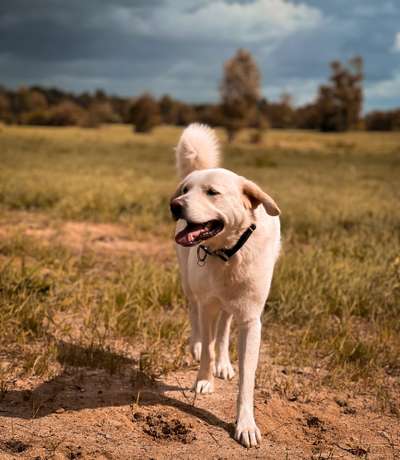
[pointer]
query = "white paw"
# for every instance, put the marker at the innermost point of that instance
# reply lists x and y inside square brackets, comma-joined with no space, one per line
[195,350]
[224,370]
[247,433]
[203,387]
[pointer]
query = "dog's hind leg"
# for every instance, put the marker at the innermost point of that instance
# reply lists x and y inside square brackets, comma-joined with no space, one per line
[205,378]
[195,334]
[223,367]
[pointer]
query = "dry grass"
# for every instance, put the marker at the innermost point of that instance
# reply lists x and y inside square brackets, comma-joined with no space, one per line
[335,298]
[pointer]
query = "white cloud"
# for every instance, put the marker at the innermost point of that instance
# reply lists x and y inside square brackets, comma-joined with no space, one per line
[396,45]
[245,23]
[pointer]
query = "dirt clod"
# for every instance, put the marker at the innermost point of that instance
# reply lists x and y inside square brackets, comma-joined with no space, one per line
[164,427]
[340,402]
[349,410]
[358,452]
[346,409]
[313,421]
[14,446]
[74,452]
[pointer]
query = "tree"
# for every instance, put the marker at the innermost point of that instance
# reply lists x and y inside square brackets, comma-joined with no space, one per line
[169,110]
[240,92]
[307,117]
[67,113]
[101,112]
[280,114]
[210,114]
[29,99]
[383,121]
[339,104]
[145,113]
[5,107]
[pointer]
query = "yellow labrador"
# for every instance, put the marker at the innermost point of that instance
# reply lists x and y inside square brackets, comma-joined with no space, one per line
[228,240]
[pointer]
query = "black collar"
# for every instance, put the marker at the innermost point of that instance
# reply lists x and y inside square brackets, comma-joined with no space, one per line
[224,254]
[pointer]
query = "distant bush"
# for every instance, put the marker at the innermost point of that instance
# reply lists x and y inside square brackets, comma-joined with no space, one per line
[211,114]
[36,118]
[307,117]
[175,112]
[383,121]
[145,113]
[279,114]
[99,113]
[28,100]
[5,108]
[66,113]
[169,110]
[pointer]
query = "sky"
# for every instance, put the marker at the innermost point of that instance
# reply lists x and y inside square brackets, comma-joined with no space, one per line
[179,46]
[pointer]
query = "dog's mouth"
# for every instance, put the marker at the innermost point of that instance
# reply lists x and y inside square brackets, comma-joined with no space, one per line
[193,233]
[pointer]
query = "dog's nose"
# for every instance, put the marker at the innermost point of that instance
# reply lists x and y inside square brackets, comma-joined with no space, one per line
[176,208]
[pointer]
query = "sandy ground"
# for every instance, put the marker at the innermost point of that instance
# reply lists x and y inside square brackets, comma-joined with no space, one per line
[78,236]
[91,414]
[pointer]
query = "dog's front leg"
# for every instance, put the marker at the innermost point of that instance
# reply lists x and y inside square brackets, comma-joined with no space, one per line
[223,366]
[247,432]
[208,322]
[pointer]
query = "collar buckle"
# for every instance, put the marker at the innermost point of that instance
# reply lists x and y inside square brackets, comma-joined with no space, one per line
[224,254]
[202,256]
[221,254]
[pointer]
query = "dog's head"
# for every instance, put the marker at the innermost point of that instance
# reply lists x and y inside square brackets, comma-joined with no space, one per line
[216,202]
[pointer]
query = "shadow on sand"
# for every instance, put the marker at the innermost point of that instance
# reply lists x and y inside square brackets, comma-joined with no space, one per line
[107,380]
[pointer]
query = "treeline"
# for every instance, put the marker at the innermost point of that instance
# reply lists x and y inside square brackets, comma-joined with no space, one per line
[337,106]
[41,106]
[53,107]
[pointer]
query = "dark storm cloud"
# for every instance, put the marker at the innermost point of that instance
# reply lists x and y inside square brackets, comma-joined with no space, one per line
[59,30]
[178,46]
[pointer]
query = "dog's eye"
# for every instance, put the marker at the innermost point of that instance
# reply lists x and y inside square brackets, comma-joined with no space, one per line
[185,189]
[212,192]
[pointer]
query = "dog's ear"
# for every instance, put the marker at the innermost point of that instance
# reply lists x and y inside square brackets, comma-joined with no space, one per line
[254,196]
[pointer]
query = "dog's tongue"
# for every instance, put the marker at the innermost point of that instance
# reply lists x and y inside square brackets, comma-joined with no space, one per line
[189,235]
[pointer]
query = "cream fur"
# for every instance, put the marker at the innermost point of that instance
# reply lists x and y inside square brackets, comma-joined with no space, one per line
[198,148]
[219,291]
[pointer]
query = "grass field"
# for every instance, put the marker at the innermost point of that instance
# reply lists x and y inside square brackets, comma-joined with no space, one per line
[335,302]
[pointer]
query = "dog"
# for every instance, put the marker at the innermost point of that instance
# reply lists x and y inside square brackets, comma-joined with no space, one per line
[227,242]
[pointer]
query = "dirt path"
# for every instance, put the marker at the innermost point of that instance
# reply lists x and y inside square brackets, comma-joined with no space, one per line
[91,414]
[98,237]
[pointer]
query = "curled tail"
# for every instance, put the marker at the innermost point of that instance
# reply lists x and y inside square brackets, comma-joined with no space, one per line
[198,148]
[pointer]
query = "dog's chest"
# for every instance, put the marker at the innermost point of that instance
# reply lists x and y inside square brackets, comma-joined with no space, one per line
[225,281]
